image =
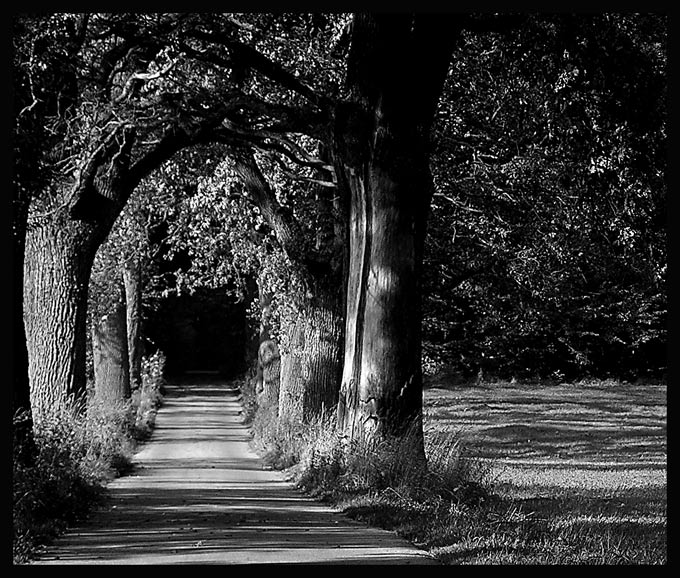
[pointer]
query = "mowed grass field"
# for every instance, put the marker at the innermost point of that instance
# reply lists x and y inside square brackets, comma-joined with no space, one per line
[585,461]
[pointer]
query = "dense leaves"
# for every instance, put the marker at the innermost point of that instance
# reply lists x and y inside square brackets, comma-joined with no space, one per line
[546,250]
[547,245]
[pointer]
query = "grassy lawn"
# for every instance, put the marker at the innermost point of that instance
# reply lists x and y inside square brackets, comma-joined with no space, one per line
[518,473]
[579,471]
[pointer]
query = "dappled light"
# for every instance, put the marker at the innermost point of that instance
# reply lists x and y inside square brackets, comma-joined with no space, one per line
[259,258]
[570,435]
[198,494]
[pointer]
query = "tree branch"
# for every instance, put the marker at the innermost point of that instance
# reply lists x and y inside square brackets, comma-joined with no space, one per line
[172,141]
[248,56]
[281,221]
[137,77]
[278,142]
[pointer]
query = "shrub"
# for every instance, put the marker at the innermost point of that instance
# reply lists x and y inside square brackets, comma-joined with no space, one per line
[452,471]
[249,401]
[332,466]
[149,396]
[282,442]
[78,448]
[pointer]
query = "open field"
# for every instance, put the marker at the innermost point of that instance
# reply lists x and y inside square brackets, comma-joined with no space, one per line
[595,436]
[586,462]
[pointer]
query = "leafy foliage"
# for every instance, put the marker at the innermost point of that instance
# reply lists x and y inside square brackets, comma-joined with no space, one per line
[79,449]
[547,244]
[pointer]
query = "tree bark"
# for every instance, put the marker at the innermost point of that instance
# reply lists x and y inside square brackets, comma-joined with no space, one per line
[396,69]
[132,279]
[267,378]
[22,418]
[381,387]
[66,226]
[110,355]
[57,270]
[252,332]
[269,364]
[311,364]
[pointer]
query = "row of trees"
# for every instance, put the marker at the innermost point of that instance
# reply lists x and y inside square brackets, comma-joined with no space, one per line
[310,135]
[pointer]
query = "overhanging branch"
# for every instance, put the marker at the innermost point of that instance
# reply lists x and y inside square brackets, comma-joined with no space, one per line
[269,140]
[250,57]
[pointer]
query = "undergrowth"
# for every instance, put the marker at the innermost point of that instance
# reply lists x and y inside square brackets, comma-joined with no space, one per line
[76,451]
[449,505]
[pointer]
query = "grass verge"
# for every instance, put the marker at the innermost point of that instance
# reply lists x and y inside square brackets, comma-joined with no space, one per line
[77,450]
[453,508]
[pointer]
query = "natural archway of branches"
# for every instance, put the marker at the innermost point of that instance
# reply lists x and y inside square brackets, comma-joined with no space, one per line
[337,112]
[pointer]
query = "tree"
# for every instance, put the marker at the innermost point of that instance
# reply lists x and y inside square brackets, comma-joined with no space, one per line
[115,303]
[132,281]
[536,126]
[112,130]
[235,225]
[26,176]
[123,119]
[311,356]
[110,354]
[381,150]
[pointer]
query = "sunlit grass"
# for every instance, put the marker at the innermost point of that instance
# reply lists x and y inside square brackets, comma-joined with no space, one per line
[517,475]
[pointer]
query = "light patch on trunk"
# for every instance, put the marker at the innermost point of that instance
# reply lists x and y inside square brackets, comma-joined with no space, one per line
[381,280]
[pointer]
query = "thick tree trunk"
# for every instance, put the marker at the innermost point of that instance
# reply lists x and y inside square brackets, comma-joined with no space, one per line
[110,355]
[22,419]
[66,226]
[132,279]
[311,364]
[381,391]
[57,270]
[395,72]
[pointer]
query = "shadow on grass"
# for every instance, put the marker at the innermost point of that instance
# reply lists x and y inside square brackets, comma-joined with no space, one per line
[606,425]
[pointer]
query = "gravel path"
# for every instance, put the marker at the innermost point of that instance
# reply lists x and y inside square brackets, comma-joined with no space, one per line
[199,495]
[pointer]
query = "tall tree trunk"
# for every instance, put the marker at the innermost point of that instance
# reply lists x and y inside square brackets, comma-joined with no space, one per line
[132,279]
[22,419]
[110,355]
[57,270]
[396,69]
[311,364]
[252,333]
[66,226]
[310,368]
[381,391]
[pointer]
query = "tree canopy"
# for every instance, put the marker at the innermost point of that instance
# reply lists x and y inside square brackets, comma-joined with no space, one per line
[507,168]
[548,239]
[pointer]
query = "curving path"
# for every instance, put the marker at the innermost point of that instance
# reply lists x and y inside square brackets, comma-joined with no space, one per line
[199,495]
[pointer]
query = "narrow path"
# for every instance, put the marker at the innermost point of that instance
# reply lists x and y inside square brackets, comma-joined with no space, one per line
[199,495]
